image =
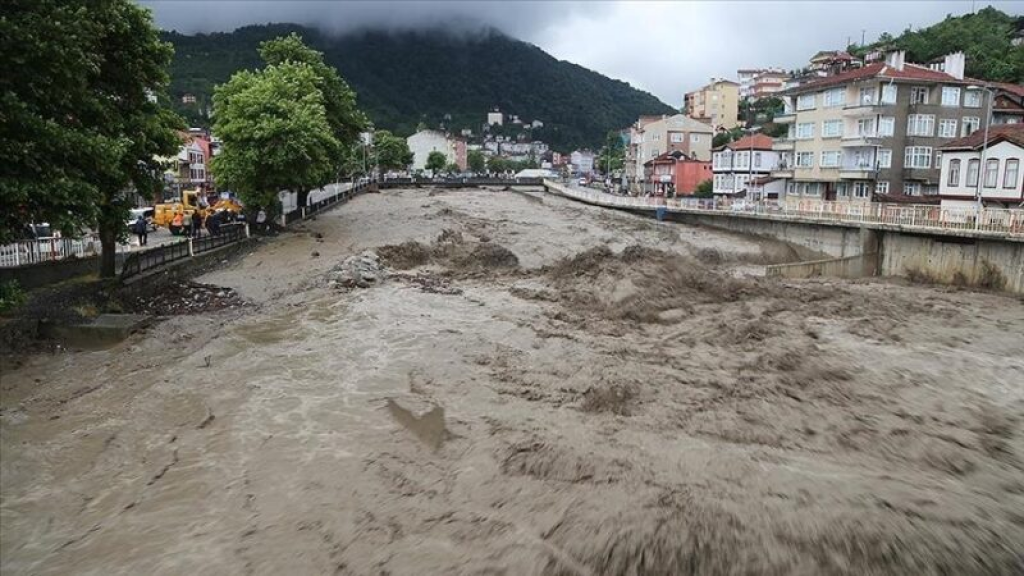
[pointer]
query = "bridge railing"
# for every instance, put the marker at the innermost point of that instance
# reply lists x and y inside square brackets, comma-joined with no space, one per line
[25,252]
[920,216]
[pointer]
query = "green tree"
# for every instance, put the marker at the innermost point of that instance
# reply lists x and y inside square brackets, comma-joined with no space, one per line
[704,189]
[276,136]
[83,108]
[613,155]
[344,117]
[436,161]
[476,160]
[497,164]
[391,152]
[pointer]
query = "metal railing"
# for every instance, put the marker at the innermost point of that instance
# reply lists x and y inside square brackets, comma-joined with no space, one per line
[991,221]
[138,262]
[25,252]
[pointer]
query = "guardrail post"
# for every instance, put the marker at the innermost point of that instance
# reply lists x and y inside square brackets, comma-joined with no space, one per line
[246,229]
[303,212]
[190,252]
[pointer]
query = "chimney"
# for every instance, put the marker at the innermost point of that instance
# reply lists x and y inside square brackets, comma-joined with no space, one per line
[895,59]
[954,65]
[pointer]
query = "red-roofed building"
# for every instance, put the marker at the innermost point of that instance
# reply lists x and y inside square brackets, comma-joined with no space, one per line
[990,167]
[673,174]
[738,163]
[875,131]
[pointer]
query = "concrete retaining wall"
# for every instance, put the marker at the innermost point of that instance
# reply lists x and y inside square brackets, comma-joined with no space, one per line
[964,261]
[849,267]
[835,241]
[45,273]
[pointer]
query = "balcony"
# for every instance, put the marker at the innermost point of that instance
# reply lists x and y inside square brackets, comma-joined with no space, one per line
[866,108]
[783,144]
[861,140]
[783,170]
[784,117]
[858,171]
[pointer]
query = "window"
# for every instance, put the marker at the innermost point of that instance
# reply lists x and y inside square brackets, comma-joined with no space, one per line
[881,188]
[676,137]
[991,172]
[970,124]
[831,128]
[695,138]
[805,102]
[950,96]
[830,158]
[1010,174]
[889,94]
[866,97]
[886,126]
[835,97]
[918,95]
[757,159]
[972,172]
[918,157]
[805,131]
[861,189]
[954,173]
[657,137]
[947,128]
[842,190]
[938,160]
[972,99]
[911,188]
[740,159]
[805,159]
[866,127]
[884,158]
[921,125]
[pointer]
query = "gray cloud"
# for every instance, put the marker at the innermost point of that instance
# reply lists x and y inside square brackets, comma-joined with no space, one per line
[664,47]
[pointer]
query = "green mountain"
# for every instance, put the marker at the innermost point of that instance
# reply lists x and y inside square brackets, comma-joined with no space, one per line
[986,37]
[408,78]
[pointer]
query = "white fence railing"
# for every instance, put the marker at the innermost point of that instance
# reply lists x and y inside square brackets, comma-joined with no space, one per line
[26,252]
[995,221]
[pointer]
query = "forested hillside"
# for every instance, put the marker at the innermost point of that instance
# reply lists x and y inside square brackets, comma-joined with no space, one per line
[404,79]
[986,37]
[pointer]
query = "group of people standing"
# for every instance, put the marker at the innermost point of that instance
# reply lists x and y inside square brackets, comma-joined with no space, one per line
[193,224]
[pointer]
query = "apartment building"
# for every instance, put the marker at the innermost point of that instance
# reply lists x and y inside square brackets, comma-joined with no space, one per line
[736,164]
[875,131]
[973,166]
[717,104]
[653,136]
[422,143]
[755,83]
[1007,103]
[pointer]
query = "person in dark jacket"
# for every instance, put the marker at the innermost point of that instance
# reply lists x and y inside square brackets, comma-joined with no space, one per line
[141,230]
[197,224]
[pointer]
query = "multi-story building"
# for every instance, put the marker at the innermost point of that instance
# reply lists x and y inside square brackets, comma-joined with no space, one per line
[759,82]
[716,104]
[582,162]
[738,163]
[875,131]
[1007,103]
[653,136]
[673,174]
[974,167]
[495,118]
[422,143]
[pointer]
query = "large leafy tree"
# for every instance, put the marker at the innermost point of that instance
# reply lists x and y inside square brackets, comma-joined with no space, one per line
[476,160]
[613,155]
[81,97]
[391,152]
[275,133]
[436,161]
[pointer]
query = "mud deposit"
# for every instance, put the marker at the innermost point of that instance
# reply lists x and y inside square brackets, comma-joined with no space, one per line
[525,387]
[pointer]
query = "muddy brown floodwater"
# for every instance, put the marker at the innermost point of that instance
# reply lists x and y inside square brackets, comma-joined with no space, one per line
[535,387]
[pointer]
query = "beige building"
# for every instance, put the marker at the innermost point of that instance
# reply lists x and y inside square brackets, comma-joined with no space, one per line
[717,104]
[651,137]
[874,133]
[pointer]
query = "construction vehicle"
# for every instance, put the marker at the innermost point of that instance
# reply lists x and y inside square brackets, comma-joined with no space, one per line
[176,216]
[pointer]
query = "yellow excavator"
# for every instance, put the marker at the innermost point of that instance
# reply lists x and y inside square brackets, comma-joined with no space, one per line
[176,216]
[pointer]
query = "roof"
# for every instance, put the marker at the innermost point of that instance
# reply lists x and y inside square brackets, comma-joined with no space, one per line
[1015,89]
[975,140]
[755,141]
[881,70]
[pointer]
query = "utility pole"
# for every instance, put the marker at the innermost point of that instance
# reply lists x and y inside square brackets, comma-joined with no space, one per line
[862,32]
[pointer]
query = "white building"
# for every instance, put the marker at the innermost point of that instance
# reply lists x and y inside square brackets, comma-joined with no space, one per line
[997,176]
[424,142]
[495,118]
[582,161]
[750,158]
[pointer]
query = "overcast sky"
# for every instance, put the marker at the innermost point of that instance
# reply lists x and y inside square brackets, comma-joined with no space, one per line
[664,47]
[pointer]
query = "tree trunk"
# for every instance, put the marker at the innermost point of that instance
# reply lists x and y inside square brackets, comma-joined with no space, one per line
[108,255]
[302,197]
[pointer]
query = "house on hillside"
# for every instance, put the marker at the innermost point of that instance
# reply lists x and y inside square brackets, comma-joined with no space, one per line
[992,167]
[716,104]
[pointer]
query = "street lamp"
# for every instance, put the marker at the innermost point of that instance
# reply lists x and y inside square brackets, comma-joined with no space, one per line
[984,146]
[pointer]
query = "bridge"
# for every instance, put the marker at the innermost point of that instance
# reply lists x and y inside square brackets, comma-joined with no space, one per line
[947,245]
